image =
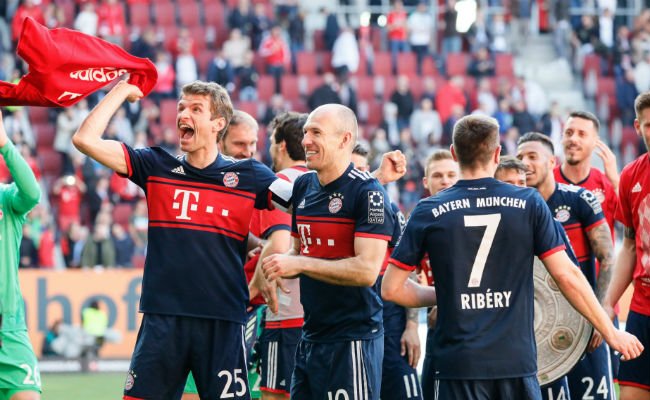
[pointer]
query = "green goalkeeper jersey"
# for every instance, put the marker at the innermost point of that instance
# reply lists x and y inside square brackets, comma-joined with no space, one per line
[16,200]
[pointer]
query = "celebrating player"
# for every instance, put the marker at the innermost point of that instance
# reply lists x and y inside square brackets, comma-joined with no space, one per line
[633,263]
[484,343]
[20,378]
[341,224]
[582,217]
[199,213]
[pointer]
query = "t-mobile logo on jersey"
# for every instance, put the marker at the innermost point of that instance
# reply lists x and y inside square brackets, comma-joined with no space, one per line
[187,196]
[305,238]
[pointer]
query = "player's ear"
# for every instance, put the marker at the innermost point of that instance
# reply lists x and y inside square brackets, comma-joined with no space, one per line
[453,152]
[637,127]
[497,155]
[347,139]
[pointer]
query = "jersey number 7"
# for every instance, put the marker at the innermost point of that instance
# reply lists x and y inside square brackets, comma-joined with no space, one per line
[491,223]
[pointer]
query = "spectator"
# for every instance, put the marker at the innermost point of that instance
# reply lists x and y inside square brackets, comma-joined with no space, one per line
[46,246]
[67,123]
[331,29]
[51,334]
[366,49]
[606,29]
[483,65]
[296,35]
[551,124]
[124,247]
[484,96]
[509,143]
[98,249]
[425,122]
[479,34]
[19,129]
[378,146]
[520,12]
[124,190]
[248,77]
[71,244]
[451,40]
[235,48]
[164,88]
[69,190]
[138,224]
[98,197]
[276,55]
[532,94]
[95,322]
[111,23]
[220,71]
[585,38]
[183,40]
[29,8]
[28,250]
[169,141]
[276,107]
[429,89]
[145,45]
[522,119]
[449,95]
[622,58]
[260,24]
[324,94]
[404,100]
[420,25]
[396,26]
[562,28]
[345,54]
[626,92]
[186,67]
[499,33]
[123,126]
[241,17]
[347,95]
[457,112]
[389,125]
[642,74]
[53,16]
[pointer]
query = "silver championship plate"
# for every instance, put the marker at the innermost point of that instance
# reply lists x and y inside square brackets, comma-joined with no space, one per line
[562,333]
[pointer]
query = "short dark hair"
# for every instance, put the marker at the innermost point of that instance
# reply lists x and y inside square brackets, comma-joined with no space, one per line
[288,129]
[475,139]
[360,150]
[586,115]
[641,102]
[510,162]
[537,137]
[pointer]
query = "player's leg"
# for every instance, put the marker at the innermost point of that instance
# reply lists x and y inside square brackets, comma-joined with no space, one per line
[558,390]
[634,375]
[278,357]
[592,376]
[526,388]
[218,359]
[190,392]
[19,374]
[428,369]
[253,330]
[399,380]
[300,380]
[159,365]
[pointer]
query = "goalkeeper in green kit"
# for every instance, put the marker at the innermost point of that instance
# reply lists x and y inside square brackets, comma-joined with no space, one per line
[19,375]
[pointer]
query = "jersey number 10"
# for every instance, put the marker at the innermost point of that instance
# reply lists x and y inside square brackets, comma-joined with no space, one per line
[491,223]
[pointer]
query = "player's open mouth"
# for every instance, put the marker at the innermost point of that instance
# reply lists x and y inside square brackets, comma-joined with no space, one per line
[309,154]
[186,132]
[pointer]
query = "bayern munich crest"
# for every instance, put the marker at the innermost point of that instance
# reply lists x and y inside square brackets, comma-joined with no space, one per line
[562,213]
[600,194]
[129,381]
[335,205]
[230,180]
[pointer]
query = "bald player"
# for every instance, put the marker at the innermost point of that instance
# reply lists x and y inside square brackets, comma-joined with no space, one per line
[341,224]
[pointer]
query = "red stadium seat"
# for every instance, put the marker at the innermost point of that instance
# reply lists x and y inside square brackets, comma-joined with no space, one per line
[504,66]
[69,14]
[319,40]
[213,13]
[39,115]
[456,64]
[139,14]
[165,14]
[289,88]
[415,84]
[45,134]
[121,214]
[51,162]
[168,109]
[313,82]
[365,87]
[406,64]
[265,87]
[189,13]
[390,84]
[203,61]
[382,64]
[306,63]
[429,67]
[326,62]
[249,107]
[198,33]
[591,62]
[375,112]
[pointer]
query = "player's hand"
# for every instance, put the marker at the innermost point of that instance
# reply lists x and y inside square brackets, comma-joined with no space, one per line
[609,162]
[131,92]
[256,250]
[432,318]
[268,290]
[595,342]
[625,343]
[3,133]
[410,343]
[281,266]
[393,167]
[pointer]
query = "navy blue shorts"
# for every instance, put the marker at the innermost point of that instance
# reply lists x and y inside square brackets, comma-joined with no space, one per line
[428,369]
[168,347]
[338,371]
[488,389]
[278,353]
[398,379]
[636,372]
[558,390]
[591,378]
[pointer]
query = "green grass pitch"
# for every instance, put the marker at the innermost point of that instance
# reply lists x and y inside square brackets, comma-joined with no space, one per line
[100,386]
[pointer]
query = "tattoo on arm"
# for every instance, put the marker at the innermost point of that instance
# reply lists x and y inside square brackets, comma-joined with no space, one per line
[412,313]
[629,233]
[600,240]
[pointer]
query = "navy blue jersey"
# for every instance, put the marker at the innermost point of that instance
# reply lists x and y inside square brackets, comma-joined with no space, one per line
[326,219]
[567,242]
[198,227]
[578,210]
[481,236]
[394,314]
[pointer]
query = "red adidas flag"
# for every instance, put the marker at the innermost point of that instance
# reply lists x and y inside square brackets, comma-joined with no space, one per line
[65,66]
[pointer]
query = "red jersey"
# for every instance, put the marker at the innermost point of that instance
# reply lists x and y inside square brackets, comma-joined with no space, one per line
[634,212]
[597,183]
[397,18]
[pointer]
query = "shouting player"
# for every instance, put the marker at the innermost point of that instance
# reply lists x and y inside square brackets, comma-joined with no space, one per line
[341,224]
[20,378]
[582,217]
[484,345]
[199,214]
[633,262]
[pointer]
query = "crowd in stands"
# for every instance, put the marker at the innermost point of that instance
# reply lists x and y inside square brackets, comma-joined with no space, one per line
[408,80]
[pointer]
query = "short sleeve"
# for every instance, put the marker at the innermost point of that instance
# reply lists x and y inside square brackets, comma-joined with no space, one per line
[267,189]
[139,163]
[410,250]
[567,242]
[547,236]
[590,210]
[400,224]
[271,221]
[623,209]
[374,217]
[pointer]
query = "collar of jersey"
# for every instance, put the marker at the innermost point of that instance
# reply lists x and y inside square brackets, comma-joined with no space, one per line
[338,181]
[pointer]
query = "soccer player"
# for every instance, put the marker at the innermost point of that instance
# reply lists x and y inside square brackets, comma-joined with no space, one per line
[440,172]
[484,343]
[239,141]
[582,217]
[199,214]
[20,378]
[341,224]
[284,315]
[633,263]
[399,378]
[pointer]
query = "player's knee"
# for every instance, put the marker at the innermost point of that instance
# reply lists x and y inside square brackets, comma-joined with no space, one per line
[634,393]
[190,396]
[26,395]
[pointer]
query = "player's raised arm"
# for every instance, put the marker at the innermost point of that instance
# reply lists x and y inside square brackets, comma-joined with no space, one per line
[28,193]
[392,167]
[88,139]
[576,289]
